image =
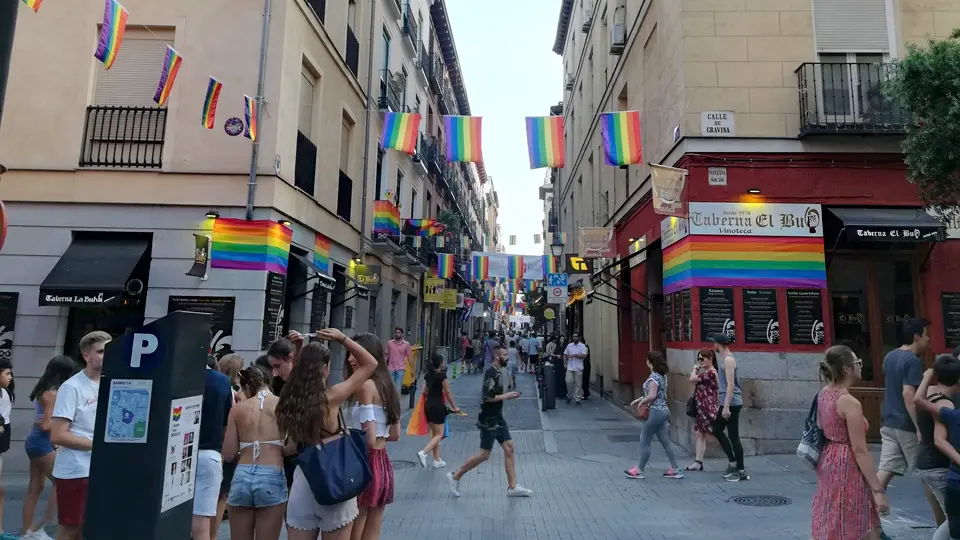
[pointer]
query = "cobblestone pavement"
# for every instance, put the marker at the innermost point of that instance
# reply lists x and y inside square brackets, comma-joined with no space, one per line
[573,458]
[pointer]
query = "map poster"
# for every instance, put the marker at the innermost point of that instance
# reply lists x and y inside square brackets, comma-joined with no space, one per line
[183,437]
[128,411]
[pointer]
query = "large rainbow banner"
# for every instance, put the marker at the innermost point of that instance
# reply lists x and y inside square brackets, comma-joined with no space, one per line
[261,245]
[463,138]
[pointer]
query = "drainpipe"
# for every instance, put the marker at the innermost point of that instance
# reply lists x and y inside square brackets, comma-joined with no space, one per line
[8,25]
[261,76]
[366,132]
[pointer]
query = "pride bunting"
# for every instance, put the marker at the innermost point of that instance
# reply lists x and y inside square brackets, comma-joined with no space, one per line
[250,114]
[239,244]
[422,227]
[550,265]
[445,265]
[513,239]
[33,4]
[463,138]
[400,131]
[515,267]
[621,138]
[168,75]
[481,267]
[386,218]
[111,32]
[545,141]
[210,102]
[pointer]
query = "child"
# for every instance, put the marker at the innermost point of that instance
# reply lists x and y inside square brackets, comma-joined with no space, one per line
[6,406]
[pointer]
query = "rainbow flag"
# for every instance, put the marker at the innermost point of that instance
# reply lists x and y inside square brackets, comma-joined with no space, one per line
[321,253]
[513,240]
[445,265]
[463,138]
[416,241]
[491,296]
[515,267]
[33,4]
[744,261]
[481,267]
[386,218]
[545,141]
[400,131]
[261,245]
[250,114]
[422,227]
[210,102]
[171,66]
[111,32]
[550,265]
[621,138]
[441,242]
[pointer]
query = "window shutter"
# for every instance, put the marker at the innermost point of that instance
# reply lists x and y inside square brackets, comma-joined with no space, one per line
[132,81]
[305,112]
[345,129]
[851,25]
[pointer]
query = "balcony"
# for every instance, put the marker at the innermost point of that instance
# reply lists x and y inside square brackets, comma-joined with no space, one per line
[305,168]
[384,243]
[847,99]
[396,4]
[447,102]
[353,51]
[423,61]
[129,137]
[392,86]
[410,29]
[319,7]
[435,72]
[431,155]
[414,257]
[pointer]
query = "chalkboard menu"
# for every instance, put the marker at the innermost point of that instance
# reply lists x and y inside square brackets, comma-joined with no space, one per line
[221,310]
[761,323]
[686,311]
[8,318]
[716,313]
[668,321]
[273,309]
[318,310]
[950,303]
[805,315]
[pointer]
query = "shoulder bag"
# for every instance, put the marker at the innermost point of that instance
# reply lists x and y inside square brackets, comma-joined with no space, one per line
[692,406]
[337,471]
[813,439]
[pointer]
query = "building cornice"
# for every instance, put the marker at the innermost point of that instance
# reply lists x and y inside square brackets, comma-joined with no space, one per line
[563,26]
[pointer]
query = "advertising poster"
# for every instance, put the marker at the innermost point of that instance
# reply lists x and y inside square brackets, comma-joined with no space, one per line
[183,437]
[433,290]
[273,309]
[128,411]
[221,310]
[8,317]
[805,313]
[448,299]
[761,322]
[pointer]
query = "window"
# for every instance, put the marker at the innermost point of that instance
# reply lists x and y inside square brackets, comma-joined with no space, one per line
[378,186]
[132,81]
[345,196]
[403,72]
[396,194]
[852,84]
[346,130]
[417,104]
[305,110]
[413,204]
[851,25]
[429,205]
[384,54]
[352,13]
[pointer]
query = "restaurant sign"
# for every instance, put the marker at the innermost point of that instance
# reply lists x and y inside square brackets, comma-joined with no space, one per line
[756,219]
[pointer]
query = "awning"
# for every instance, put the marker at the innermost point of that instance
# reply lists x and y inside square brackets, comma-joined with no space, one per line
[889,225]
[92,273]
[324,281]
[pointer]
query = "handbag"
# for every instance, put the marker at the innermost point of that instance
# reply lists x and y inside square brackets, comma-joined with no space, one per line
[642,411]
[337,471]
[692,407]
[813,439]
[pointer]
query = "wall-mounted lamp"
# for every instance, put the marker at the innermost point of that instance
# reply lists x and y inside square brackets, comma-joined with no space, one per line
[285,222]
[753,191]
[213,214]
[357,260]
[631,239]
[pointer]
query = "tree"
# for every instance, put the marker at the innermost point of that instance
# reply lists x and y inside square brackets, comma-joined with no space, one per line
[927,83]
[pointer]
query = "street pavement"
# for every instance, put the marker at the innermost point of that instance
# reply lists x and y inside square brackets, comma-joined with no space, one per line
[573,459]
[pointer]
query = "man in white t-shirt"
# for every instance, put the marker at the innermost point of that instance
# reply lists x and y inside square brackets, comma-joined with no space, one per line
[74,415]
[574,355]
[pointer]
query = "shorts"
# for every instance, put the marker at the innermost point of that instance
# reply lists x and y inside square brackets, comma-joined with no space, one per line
[228,471]
[512,369]
[936,480]
[37,443]
[207,484]
[305,514]
[499,433]
[380,490]
[435,411]
[71,500]
[898,450]
[257,486]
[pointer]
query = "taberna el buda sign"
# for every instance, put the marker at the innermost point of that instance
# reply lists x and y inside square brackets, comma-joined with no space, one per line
[756,219]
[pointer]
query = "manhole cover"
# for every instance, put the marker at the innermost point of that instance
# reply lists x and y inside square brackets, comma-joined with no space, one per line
[761,500]
[400,464]
[624,438]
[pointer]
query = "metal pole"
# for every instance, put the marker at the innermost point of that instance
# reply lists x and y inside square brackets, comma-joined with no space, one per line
[366,130]
[8,25]
[261,78]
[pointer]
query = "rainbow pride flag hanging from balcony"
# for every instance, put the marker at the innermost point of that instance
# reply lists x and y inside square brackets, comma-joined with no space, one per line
[481,267]
[422,227]
[262,245]
[33,4]
[321,253]
[111,33]
[210,102]
[463,138]
[545,141]
[621,138]
[445,265]
[168,75]
[386,218]
[400,131]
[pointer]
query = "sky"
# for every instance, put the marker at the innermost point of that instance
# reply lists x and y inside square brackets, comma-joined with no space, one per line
[510,72]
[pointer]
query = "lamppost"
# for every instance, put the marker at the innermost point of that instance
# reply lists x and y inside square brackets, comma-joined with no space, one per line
[556,248]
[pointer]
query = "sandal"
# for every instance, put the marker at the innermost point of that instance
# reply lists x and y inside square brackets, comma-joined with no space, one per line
[696,466]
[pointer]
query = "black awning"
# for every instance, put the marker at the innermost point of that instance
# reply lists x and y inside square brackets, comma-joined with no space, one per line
[324,281]
[92,273]
[889,225]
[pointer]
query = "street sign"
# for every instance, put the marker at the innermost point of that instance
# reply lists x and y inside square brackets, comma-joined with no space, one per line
[557,280]
[557,294]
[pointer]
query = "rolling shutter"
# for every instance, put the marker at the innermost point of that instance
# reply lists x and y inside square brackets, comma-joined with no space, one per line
[851,25]
[132,81]
[305,111]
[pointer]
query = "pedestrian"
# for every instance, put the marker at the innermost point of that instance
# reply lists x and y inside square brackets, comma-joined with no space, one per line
[282,357]
[462,344]
[932,463]
[560,367]
[573,355]
[522,349]
[253,443]
[728,415]
[377,413]
[478,353]
[488,346]
[849,497]
[533,354]
[512,363]
[438,396]
[655,397]
[902,373]
[217,402]
[230,365]
[705,393]
[493,428]
[74,416]
[309,413]
[7,397]
[586,372]
[38,447]
[468,354]
[398,353]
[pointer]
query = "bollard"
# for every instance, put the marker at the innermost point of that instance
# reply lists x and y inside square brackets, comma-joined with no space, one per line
[549,400]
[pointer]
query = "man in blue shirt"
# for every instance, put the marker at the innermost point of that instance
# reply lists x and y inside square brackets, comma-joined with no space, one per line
[217,401]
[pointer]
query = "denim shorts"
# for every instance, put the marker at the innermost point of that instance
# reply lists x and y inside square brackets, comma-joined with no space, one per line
[257,486]
[38,443]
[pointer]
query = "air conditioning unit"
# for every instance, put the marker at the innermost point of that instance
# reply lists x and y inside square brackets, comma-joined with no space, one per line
[568,85]
[618,38]
[587,20]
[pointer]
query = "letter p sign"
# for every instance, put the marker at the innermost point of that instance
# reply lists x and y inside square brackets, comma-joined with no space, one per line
[143,344]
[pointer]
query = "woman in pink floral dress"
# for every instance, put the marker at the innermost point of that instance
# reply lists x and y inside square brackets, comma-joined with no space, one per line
[849,496]
[704,375]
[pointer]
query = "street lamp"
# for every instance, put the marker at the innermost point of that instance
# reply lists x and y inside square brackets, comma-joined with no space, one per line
[556,247]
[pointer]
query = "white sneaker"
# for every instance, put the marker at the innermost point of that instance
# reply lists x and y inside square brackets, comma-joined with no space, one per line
[40,534]
[423,459]
[454,484]
[439,464]
[519,491]
[31,535]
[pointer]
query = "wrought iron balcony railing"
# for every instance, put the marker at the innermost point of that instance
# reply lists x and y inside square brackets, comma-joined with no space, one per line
[435,73]
[392,86]
[123,137]
[410,27]
[848,99]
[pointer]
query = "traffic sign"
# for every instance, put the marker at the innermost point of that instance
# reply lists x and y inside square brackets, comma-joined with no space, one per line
[557,294]
[557,280]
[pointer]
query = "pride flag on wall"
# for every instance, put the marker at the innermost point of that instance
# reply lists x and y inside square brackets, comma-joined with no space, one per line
[239,244]
[386,218]
[463,138]
[400,131]
[621,137]
[321,253]
[545,141]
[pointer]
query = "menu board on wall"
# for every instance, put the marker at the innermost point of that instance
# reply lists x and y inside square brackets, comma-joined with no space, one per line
[8,317]
[668,317]
[273,309]
[318,310]
[950,304]
[220,308]
[805,316]
[716,313]
[761,323]
[677,316]
[686,313]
